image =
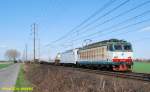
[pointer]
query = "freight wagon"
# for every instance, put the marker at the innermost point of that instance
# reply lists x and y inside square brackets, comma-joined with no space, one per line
[110,54]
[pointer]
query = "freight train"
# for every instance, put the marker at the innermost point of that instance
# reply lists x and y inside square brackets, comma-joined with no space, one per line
[113,54]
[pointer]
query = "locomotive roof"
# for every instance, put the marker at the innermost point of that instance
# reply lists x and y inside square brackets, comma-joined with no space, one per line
[104,43]
[101,43]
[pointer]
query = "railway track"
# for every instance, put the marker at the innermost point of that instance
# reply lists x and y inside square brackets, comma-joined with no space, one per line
[132,75]
[128,75]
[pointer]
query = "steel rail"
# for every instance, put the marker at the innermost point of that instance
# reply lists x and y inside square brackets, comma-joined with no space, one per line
[127,75]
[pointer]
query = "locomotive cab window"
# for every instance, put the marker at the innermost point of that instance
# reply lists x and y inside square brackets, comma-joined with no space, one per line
[111,48]
[118,47]
[128,47]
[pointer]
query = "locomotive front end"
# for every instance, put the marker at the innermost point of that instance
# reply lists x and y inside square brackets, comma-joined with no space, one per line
[122,56]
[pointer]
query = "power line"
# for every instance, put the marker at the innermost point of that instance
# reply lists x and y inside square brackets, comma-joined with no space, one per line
[124,32]
[95,19]
[123,21]
[86,20]
[116,25]
[107,13]
[139,40]
[121,14]
[126,27]
[97,12]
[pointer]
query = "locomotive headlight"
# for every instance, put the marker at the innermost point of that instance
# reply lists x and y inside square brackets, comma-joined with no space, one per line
[115,56]
[129,57]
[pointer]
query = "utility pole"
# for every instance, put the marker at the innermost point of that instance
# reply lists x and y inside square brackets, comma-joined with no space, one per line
[23,56]
[39,48]
[34,41]
[26,52]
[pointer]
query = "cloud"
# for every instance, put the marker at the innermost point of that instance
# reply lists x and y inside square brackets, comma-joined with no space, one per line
[146,29]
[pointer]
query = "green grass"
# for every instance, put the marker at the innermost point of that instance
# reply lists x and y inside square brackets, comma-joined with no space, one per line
[4,65]
[22,82]
[141,67]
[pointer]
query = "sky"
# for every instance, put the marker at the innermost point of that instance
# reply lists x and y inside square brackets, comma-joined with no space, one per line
[55,18]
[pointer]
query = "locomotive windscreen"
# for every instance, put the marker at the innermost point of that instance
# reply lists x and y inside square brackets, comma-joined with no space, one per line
[120,47]
[128,47]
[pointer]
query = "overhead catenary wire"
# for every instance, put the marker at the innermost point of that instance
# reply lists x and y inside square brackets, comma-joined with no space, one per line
[105,14]
[100,17]
[141,39]
[125,32]
[86,20]
[113,26]
[94,14]
[117,16]
[122,28]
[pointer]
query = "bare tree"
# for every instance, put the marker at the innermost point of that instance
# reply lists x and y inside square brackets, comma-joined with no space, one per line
[12,54]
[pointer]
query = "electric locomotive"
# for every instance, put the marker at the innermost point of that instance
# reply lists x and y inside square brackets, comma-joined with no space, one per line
[113,54]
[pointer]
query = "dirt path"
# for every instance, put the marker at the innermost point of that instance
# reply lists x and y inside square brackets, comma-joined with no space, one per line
[8,77]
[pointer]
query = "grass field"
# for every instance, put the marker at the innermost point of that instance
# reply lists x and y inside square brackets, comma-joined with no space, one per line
[141,67]
[22,84]
[4,65]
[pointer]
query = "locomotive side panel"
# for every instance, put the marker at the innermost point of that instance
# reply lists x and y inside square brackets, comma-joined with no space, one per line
[69,57]
[98,54]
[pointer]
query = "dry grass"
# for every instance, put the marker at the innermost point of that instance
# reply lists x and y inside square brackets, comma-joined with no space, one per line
[56,79]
